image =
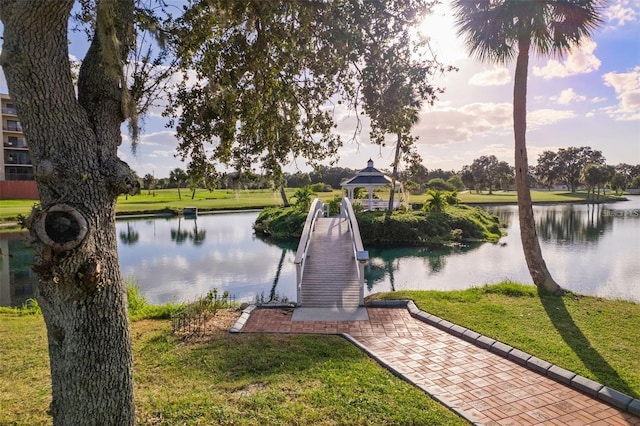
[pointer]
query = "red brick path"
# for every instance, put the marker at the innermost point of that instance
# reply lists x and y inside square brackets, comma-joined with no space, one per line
[485,387]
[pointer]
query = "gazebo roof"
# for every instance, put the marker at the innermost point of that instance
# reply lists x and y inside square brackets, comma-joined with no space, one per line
[369,176]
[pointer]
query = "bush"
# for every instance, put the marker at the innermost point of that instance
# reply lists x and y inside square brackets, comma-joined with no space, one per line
[281,223]
[454,224]
[439,184]
[320,187]
[139,308]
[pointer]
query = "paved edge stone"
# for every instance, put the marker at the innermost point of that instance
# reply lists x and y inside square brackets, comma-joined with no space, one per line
[539,365]
[560,374]
[457,330]
[485,342]
[519,356]
[242,320]
[444,325]
[634,407]
[401,376]
[586,385]
[501,349]
[388,304]
[470,336]
[615,398]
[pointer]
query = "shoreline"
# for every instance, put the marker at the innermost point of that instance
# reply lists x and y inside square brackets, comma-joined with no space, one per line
[13,225]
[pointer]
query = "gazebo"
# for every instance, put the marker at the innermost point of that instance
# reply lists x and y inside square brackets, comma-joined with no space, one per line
[370,178]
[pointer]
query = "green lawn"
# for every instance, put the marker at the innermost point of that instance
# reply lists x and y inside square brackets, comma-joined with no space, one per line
[228,379]
[304,379]
[166,200]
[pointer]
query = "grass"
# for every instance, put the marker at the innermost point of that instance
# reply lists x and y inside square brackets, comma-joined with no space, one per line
[166,200]
[305,379]
[230,379]
[590,336]
[510,197]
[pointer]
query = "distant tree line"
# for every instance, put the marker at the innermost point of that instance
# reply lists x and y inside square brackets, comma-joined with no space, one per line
[571,168]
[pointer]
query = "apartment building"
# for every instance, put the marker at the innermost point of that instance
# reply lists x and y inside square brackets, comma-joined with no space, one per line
[16,170]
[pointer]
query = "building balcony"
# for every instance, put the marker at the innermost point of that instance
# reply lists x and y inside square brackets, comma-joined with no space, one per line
[20,143]
[11,162]
[11,128]
[9,111]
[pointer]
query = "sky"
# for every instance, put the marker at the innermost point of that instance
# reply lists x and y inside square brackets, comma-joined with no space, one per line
[590,97]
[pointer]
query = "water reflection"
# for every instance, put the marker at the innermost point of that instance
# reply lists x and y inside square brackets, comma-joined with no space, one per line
[588,249]
[385,262]
[573,225]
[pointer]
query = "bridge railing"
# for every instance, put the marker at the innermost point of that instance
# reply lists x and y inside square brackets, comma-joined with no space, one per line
[359,253]
[315,211]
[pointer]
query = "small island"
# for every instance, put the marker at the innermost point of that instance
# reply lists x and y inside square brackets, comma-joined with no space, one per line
[451,225]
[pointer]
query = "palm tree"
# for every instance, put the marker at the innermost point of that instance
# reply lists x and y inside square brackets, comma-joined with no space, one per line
[437,203]
[179,177]
[499,30]
[303,199]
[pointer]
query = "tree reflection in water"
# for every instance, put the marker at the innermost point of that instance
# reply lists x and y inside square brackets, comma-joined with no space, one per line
[196,236]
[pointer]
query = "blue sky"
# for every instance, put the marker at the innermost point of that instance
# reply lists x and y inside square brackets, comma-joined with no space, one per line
[590,97]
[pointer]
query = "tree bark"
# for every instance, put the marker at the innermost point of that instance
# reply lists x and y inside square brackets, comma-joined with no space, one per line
[73,145]
[530,244]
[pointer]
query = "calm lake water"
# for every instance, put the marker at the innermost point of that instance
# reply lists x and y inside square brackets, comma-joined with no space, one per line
[592,250]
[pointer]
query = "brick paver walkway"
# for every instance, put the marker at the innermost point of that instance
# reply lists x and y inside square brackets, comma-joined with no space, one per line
[484,387]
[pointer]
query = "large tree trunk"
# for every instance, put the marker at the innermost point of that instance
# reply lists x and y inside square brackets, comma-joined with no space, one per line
[73,145]
[530,244]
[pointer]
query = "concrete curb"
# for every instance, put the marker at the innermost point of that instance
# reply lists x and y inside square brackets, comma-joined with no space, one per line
[242,320]
[603,393]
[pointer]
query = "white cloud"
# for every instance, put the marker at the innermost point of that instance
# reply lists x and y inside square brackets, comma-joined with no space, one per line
[449,125]
[580,60]
[492,77]
[568,95]
[627,88]
[546,117]
[597,99]
[619,13]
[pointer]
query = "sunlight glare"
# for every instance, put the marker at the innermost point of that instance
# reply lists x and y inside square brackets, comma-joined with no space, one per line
[439,29]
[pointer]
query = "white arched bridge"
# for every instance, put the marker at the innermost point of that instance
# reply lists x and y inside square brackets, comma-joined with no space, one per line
[330,260]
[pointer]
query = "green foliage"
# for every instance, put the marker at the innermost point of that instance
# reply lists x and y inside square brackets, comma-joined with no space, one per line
[284,223]
[264,72]
[139,309]
[334,205]
[212,302]
[320,187]
[454,224]
[436,203]
[303,199]
[439,184]
[29,307]
[456,182]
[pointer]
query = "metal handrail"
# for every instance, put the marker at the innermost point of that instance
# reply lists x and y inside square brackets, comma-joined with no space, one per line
[360,254]
[301,255]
